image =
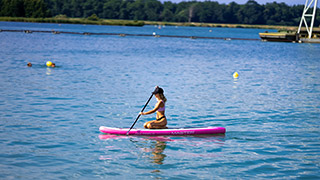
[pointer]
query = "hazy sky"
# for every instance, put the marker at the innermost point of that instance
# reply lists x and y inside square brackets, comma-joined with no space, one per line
[289,2]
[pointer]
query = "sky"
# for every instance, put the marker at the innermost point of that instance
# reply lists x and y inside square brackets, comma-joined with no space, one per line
[289,2]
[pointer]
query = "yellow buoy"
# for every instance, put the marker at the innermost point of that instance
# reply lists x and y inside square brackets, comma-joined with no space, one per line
[235,75]
[49,63]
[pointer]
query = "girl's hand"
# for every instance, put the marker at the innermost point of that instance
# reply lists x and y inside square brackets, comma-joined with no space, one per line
[142,113]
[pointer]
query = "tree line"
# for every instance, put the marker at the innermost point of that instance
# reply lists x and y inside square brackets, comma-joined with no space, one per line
[153,10]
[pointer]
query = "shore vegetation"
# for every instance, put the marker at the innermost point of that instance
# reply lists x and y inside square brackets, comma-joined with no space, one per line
[153,12]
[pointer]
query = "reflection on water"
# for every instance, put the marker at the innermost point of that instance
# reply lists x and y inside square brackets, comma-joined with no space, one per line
[154,147]
[157,151]
[49,71]
[49,123]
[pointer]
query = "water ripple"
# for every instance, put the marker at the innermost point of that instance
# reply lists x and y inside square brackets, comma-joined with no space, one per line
[50,116]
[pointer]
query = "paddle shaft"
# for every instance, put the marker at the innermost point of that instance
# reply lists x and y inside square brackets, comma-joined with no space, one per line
[140,114]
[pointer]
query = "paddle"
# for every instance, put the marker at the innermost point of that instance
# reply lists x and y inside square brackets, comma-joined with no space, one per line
[141,111]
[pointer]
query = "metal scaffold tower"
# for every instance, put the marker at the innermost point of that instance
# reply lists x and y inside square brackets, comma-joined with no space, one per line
[308,5]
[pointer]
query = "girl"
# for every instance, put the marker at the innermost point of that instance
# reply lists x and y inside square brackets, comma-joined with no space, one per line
[161,121]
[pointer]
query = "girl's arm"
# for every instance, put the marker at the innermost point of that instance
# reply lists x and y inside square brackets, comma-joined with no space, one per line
[153,110]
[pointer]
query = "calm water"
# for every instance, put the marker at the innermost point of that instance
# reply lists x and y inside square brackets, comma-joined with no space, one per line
[49,117]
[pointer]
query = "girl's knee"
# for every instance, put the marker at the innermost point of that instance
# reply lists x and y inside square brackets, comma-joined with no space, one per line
[149,126]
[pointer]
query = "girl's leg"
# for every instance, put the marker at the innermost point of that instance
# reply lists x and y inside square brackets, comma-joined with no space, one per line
[157,124]
[146,124]
[156,127]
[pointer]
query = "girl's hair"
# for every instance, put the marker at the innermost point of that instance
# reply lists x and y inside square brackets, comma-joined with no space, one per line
[162,97]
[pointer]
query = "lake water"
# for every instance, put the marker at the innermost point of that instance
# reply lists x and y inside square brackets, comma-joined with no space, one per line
[50,117]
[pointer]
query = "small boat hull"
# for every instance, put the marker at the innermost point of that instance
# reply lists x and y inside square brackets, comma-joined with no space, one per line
[279,37]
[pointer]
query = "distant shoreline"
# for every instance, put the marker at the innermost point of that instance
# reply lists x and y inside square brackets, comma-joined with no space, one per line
[142,23]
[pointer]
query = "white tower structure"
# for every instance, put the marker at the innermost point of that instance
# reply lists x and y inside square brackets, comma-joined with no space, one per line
[308,5]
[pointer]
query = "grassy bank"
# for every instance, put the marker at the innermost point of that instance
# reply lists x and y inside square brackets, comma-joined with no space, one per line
[65,20]
[74,21]
[289,28]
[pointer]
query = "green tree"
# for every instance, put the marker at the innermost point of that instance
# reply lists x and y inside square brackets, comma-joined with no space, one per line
[166,15]
[35,8]
[76,8]
[111,9]
[66,9]
[136,10]
[297,11]
[208,12]
[88,8]
[230,13]
[250,13]
[168,11]
[13,8]
[182,12]
[55,7]
[153,9]
[93,17]
[124,13]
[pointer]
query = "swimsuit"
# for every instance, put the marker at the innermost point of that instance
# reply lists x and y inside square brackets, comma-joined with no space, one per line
[162,108]
[161,118]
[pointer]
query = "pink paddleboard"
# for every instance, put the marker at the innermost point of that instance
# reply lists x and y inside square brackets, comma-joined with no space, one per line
[169,131]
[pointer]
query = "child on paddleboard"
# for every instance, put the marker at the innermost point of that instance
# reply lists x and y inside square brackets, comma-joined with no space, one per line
[161,121]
